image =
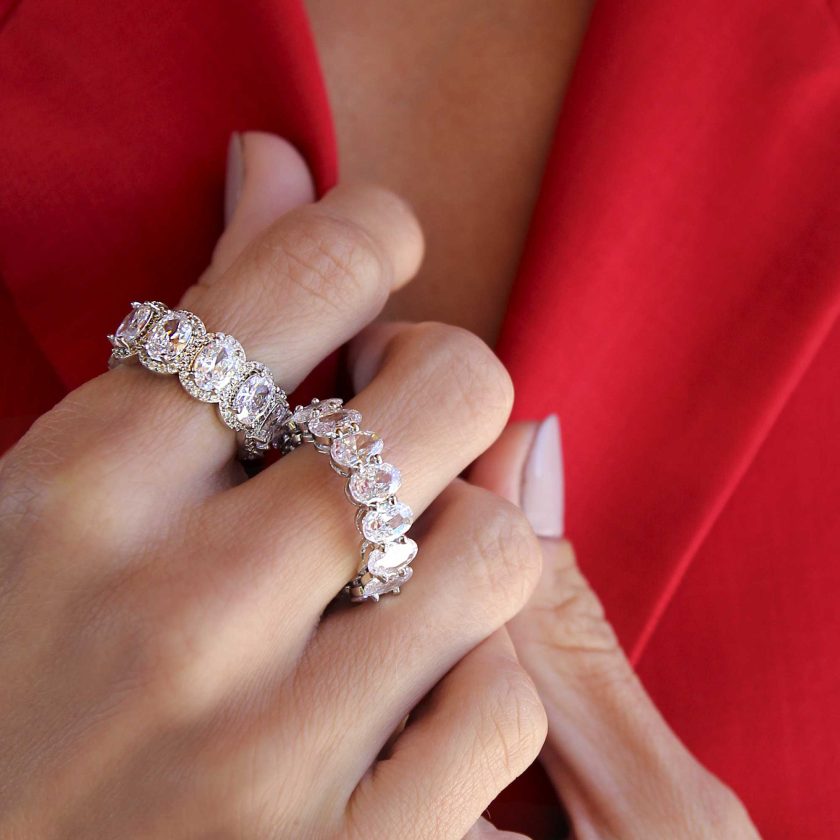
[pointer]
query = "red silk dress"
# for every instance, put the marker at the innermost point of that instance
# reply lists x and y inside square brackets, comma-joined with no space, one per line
[677,306]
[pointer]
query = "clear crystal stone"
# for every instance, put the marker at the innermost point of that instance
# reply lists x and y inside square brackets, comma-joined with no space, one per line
[374,482]
[392,557]
[169,336]
[252,397]
[304,414]
[132,325]
[355,449]
[327,423]
[387,523]
[381,587]
[216,364]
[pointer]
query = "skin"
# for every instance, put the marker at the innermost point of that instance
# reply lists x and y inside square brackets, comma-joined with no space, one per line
[167,668]
[462,99]
[168,665]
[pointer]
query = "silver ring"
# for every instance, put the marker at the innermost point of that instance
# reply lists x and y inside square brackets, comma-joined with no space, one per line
[386,552]
[212,367]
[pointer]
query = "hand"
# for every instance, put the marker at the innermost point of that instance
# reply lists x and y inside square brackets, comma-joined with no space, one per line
[166,666]
[618,769]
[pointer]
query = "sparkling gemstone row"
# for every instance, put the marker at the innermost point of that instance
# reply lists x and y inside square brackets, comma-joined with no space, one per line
[372,484]
[212,367]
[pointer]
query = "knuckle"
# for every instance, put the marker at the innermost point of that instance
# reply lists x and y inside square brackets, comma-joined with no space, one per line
[505,548]
[569,616]
[330,260]
[513,723]
[477,376]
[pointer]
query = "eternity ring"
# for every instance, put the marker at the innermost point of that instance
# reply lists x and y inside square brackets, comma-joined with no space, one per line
[212,368]
[386,553]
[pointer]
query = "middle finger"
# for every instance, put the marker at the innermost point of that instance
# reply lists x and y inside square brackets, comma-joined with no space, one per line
[278,548]
[302,288]
[440,399]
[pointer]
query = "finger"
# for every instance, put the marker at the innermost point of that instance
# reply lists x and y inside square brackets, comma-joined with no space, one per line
[266,178]
[485,830]
[615,761]
[287,537]
[71,447]
[314,278]
[479,563]
[440,398]
[311,281]
[308,283]
[478,730]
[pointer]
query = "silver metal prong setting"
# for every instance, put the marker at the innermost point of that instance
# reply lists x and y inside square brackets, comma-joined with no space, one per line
[355,453]
[126,339]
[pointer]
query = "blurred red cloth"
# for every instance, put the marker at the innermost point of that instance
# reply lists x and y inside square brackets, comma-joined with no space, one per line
[676,305]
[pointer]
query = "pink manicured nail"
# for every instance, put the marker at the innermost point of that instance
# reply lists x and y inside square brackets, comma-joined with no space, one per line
[485,830]
[235,174]
[543,497]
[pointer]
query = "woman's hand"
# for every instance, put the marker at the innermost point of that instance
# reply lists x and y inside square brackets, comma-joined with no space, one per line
[166,666]
[618,769]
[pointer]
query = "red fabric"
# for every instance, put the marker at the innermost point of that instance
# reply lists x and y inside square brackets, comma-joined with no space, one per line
[676,306]
[116,118]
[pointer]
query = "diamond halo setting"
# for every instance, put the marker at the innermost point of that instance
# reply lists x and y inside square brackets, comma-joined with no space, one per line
[216,363]
[171,342]
[211,367]
[249,398]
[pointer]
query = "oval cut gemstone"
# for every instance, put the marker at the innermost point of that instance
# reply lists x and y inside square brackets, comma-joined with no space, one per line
[329,422]
[355,449]
[303,415]
[387,523]
[252,397]
[376,587]
[169,337]
[216,364]
[374,483]
[133,324]
[392,557]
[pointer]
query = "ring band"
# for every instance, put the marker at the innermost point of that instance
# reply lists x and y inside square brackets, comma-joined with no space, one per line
[355,454]
[212,367]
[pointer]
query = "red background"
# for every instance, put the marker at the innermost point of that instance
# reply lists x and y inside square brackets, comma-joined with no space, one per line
[676,305]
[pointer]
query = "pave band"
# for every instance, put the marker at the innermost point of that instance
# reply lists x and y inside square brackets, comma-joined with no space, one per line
[212,367]
[386,552]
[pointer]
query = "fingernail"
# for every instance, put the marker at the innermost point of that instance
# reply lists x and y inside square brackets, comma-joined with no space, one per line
[543,497]
[235,174]
[485,830]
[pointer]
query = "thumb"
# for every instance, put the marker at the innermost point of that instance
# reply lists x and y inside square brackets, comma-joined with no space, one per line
[617,766]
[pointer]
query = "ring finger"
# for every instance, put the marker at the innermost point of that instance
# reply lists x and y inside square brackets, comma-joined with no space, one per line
[286,540]
[304,286]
